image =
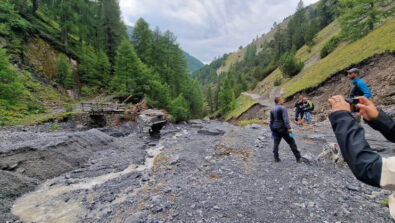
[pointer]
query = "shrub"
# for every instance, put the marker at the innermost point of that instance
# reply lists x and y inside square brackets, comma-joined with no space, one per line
[330,46]
[69,108]
[277,82]
[54,127]
[289,65]
[178,108]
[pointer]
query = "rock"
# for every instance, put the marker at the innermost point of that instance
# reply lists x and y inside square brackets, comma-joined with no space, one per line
[352,187]
[254,126]
[145,178]
[195,122]
[308,158]
[211,132]
[174,159]
[136,218]
[206,119]
[151,121]
[311,204]
[270,199]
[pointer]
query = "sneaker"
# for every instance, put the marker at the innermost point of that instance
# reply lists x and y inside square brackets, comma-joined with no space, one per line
[277,160]
[298,160]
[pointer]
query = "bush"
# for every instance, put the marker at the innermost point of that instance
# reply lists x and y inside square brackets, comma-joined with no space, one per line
[35,109]
[69,108]
[54,127]
[178,108]
[289,65]
[277,82]
[330,46]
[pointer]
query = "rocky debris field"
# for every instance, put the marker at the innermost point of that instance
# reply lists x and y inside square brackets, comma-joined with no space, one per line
[204,171]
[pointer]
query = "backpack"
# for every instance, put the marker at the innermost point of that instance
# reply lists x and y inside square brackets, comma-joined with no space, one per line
[311,106]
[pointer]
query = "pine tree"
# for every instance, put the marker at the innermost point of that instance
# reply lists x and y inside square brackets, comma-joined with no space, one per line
[179,109]
[360,16]
[103,67]
[112,29]
[131,75]
[142,39]
[63,72]
[159,95]
[226,98]
[11,89]
[210,99]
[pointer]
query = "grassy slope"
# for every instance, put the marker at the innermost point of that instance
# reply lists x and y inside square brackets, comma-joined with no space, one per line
[376,42]
[304,54]
[242,104]
[239,55]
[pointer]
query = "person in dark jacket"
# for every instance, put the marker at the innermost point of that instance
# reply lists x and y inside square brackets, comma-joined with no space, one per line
[281,129]
[299,108]
[367,166]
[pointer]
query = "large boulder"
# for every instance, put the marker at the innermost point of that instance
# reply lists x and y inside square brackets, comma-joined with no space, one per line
[151,121]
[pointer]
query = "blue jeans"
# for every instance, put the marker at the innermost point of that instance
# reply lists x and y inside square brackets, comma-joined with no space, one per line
[308,116]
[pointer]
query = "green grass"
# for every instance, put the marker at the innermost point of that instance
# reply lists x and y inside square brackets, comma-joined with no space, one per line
[243,103]
[43,118]
[379,41]
[244,123]
[304,54]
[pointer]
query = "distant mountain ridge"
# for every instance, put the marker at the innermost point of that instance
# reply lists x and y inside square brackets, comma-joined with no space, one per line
[193,63]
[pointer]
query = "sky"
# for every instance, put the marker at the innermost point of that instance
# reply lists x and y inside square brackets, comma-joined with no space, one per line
[209,28]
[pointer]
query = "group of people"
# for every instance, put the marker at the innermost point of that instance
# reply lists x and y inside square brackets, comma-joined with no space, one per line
[366,165]
[303,106]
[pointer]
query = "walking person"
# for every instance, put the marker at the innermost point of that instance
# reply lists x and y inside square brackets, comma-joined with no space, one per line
[357,88]
[281,129]
[299,108]
[366,165]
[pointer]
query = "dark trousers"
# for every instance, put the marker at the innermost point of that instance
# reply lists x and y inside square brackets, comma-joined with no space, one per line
[283,134]
[297,113]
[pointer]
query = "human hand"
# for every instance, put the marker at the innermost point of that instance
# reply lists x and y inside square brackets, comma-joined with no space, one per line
[367,109]
[289,130]
[339,104]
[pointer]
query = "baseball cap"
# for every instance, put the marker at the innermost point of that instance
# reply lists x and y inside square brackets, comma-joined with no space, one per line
[353,70]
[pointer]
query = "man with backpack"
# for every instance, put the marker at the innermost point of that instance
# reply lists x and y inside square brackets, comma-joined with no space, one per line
[281,128]
[357,88]
[308,107]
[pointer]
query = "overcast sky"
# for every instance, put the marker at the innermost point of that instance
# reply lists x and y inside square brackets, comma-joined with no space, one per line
[210,28]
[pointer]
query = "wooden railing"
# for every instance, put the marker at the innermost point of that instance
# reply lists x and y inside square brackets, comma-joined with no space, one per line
[103,108]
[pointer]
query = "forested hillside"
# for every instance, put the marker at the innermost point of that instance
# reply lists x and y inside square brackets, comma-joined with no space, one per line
[292,46]
[193,64]
[81,48]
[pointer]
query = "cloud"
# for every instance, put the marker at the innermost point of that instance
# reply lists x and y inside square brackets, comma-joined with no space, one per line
[210,28]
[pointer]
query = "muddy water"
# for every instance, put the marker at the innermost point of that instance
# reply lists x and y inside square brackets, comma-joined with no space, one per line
[47,203]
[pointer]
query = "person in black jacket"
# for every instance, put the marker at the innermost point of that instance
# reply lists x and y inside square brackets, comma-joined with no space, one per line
[281,129]
[299,104]
[367,166]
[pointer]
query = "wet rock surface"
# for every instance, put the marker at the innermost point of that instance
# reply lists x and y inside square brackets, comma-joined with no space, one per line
[186,175]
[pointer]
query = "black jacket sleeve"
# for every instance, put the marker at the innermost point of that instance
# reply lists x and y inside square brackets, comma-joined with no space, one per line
[365,164]
[385,125]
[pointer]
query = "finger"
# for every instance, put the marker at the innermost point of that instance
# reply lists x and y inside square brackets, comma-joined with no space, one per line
[331,101]
[363,100]
[361,106]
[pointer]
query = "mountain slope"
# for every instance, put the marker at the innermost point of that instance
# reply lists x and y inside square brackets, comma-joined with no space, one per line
[193,63]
